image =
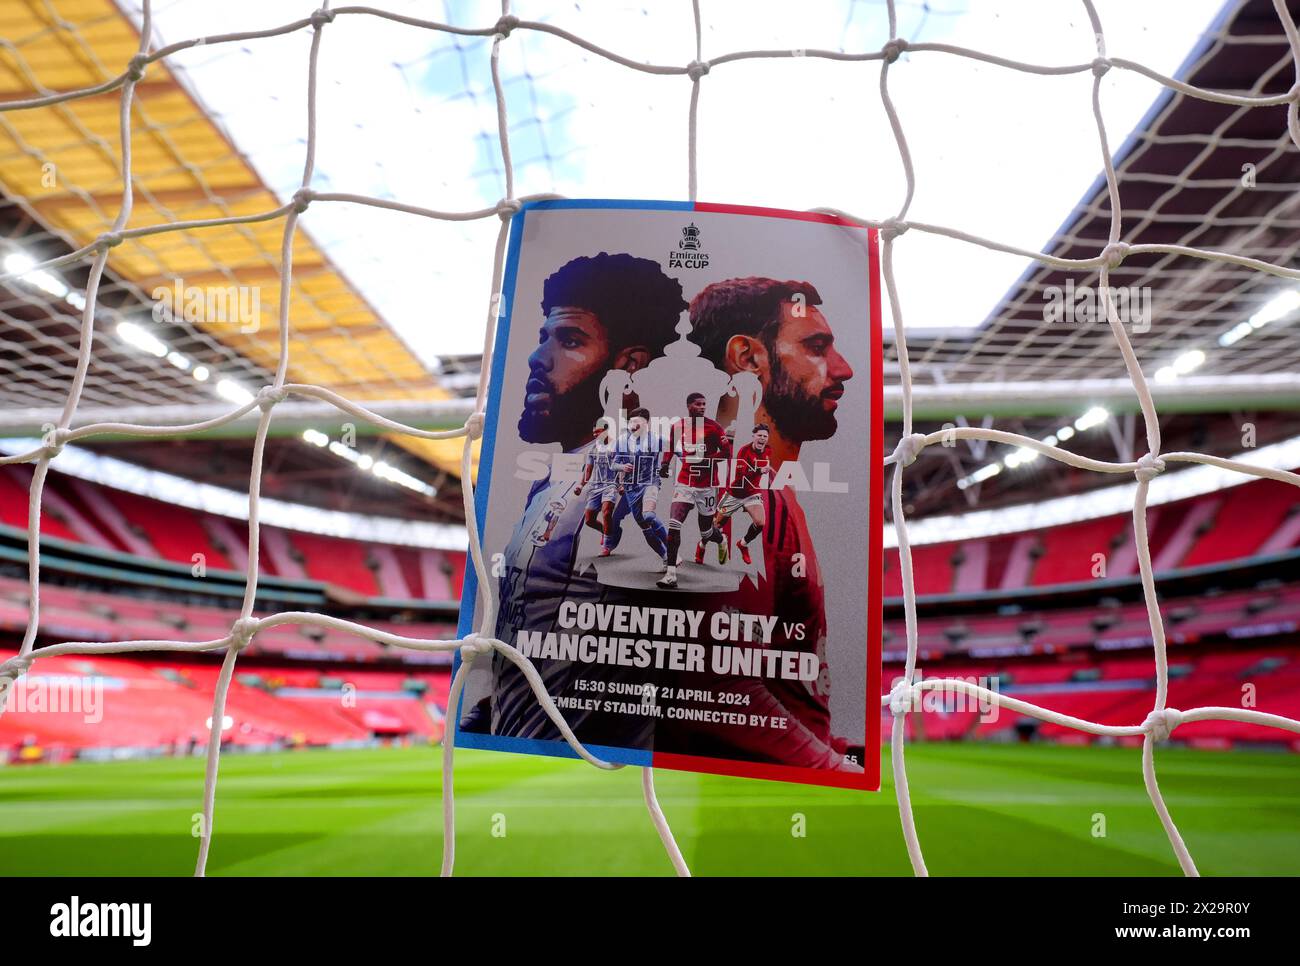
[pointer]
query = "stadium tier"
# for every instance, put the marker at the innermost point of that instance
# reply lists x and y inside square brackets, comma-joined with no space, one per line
[114,520]
[69,613]
[116,705]
[1106,625]
[1254,519]
[1114,692]
[1023,613]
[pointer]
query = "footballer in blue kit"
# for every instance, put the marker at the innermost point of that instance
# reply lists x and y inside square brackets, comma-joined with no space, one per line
[604,510]
[636,461]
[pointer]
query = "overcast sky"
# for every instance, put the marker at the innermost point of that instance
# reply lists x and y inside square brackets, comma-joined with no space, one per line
[408,114]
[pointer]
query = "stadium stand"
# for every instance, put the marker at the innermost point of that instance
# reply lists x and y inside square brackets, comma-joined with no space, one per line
[14,482]
[1115,691]
[331,561]
[172,532]
[1025,610]
[79,614]
[1066,553]
[1255,518]
[115,520]
[148,705]
[1246,520]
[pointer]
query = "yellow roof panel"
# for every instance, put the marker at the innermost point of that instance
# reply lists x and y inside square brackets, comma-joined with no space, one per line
[184,169]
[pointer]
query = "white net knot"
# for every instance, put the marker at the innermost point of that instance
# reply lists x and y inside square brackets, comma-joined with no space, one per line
[474,425]
[508,207]
[302,199]
[321,17]
[1114,253]
[892,228]
[907,450]
[136,67]
[697,69]
[505,25]
[902,698]
[473,646]
[54,442]
[1149,467]
[110,239]
[893,49]
[1100,66]
[242,631]
[10,671]
[1159,724]
[15,667]
[268,396]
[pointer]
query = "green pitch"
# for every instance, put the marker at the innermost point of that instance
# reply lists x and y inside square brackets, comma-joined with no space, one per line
[979,809]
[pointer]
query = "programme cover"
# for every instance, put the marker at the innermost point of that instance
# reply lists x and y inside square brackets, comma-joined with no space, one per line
[679,491]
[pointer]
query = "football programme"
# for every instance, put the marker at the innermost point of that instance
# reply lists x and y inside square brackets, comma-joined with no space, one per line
[468,438]
[670,439]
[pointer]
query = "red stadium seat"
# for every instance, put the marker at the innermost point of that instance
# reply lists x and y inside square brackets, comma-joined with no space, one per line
[1067,552]
[341,562]
[1249,515]
[174,532]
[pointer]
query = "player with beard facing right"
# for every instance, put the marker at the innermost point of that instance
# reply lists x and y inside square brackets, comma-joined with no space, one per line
[775,330]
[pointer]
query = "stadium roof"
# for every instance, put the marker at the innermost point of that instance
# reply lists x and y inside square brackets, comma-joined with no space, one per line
[59,170]
[1193,173]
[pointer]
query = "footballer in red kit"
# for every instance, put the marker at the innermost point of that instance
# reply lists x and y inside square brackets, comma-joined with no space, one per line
[750,473]
[700,444]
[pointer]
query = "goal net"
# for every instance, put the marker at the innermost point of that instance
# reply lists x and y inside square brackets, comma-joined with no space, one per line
[133,70]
